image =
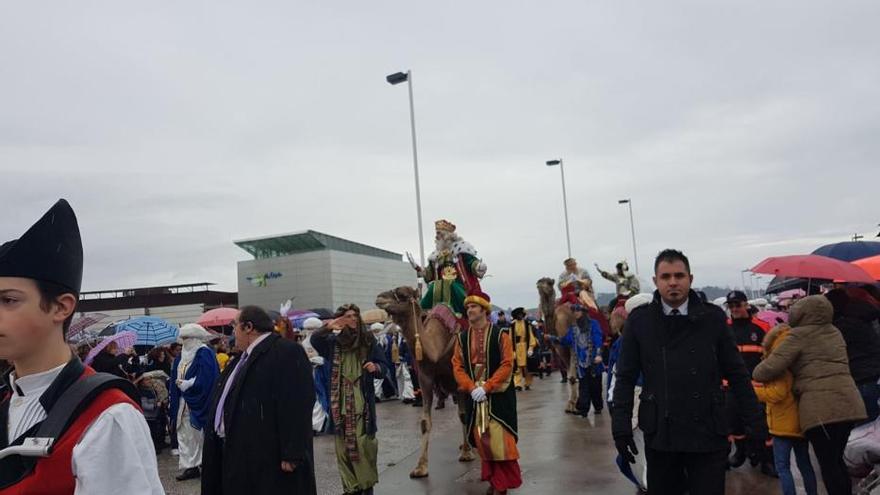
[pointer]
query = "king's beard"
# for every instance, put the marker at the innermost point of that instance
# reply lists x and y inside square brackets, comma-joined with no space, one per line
[443,244]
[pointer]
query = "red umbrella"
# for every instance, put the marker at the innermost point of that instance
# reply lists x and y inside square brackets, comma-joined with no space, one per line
[218,317]
[812,266]
[870,265]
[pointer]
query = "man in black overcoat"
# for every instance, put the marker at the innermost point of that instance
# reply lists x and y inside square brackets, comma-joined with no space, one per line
[682,348]
[259,441]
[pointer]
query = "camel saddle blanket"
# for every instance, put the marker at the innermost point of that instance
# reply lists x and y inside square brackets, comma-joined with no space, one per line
[444,315]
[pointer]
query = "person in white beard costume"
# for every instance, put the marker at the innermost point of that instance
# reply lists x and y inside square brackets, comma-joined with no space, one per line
[193,375]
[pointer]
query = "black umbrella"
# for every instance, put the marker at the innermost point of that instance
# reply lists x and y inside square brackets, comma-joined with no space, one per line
[323,313]
[108,330]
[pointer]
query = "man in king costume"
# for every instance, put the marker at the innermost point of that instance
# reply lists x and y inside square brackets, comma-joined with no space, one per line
[453,270]
[483,367]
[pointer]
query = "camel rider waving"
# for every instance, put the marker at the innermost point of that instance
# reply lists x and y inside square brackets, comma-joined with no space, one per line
[102,443]
[454,269]
[625,283]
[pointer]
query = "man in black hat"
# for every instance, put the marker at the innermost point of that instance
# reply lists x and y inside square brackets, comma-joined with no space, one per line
[502,319]
[748,332]
[106,446]
[524,344]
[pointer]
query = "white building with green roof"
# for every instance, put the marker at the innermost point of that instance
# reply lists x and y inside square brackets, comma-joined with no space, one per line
[317,271]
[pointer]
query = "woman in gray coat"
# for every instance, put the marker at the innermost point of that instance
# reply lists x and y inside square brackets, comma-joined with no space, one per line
[828,400]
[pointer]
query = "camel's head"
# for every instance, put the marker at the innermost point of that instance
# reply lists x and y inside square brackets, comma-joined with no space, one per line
[399,301]
[546,286]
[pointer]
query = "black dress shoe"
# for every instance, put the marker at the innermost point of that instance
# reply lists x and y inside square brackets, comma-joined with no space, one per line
[189,474]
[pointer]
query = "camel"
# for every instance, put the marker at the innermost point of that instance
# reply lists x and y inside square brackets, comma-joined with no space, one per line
[435,368]
[557,319]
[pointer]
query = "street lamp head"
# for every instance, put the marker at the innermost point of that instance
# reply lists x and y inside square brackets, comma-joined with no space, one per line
[397,78]
[551,163]
[622,201]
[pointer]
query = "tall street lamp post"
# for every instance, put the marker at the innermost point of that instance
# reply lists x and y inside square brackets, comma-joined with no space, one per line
[632,227]
[742,275]
[394,79]
[553,163]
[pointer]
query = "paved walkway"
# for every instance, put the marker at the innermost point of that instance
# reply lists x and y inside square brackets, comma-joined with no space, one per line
[561,454]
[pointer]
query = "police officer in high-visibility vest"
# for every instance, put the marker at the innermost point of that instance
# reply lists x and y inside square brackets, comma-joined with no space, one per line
[748,332]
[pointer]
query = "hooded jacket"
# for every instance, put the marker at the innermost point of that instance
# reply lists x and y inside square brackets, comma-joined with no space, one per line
[782,407]
[815,353]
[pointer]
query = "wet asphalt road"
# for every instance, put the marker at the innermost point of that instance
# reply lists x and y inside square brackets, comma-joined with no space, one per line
[561,454]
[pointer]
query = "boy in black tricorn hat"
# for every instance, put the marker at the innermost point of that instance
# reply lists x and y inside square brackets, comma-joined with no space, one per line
[103,445]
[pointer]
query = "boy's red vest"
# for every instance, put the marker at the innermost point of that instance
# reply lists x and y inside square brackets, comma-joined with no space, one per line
[53,475]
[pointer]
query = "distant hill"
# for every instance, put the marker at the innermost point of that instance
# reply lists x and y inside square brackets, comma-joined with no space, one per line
[711,291]
[605,297]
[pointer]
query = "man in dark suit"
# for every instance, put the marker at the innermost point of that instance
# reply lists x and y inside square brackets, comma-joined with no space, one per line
[682,348]
[259,441]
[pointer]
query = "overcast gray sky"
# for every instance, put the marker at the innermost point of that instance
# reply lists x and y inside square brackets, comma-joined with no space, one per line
[740,129]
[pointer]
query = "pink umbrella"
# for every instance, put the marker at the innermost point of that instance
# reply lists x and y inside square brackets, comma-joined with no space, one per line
[772,317]
[84,322]
[123,339]
[792,293]
[218,317]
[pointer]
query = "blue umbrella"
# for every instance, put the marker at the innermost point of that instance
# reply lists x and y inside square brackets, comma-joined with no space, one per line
[626,470]
[850,250]
[150,330]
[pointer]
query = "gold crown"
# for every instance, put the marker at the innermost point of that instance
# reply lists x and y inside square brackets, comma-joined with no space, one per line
[444,225]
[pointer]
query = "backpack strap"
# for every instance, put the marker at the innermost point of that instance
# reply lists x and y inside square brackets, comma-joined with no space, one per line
[66,409]
[77,398]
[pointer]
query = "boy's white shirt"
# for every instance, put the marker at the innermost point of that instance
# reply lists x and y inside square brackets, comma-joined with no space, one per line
[114,455]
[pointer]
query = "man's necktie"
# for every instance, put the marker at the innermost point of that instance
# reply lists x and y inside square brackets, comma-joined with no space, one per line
[219,427]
